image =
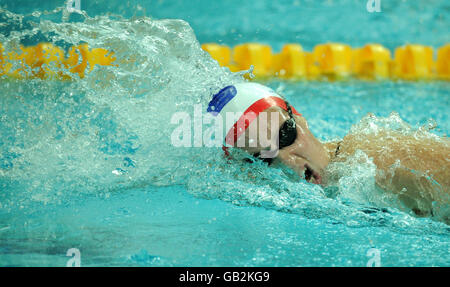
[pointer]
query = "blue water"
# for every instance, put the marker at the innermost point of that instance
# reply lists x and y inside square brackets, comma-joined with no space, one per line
[169,227]
[89,165]
[308,22]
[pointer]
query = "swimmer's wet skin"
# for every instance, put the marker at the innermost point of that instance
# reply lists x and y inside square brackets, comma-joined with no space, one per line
[420,181]
[297,148]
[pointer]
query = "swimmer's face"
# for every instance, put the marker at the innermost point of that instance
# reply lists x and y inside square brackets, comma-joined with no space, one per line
[306,156]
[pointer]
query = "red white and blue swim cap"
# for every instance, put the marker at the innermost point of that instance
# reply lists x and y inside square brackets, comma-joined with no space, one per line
[246,101]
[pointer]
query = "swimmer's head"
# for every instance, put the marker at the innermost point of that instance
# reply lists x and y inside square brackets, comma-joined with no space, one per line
[265,125]
[305,155]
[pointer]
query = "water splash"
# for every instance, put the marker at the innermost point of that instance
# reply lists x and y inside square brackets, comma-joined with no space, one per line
[111,130]
[108,130]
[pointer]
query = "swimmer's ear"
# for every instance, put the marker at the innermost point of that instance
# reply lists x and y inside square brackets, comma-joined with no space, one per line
[257,156]
[249,160]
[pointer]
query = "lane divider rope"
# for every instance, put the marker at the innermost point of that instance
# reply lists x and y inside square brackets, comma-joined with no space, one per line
[330,61]
[335,61]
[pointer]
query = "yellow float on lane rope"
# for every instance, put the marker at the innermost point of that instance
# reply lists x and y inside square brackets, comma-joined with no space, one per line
[413,62]
[334,60]
[258,55]
[371,62]
[330,60]
[312,66]
[443,62]
[220,53]
[290,62]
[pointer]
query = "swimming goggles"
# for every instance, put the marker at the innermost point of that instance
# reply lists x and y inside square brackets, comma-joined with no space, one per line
[286,135]
[288,130]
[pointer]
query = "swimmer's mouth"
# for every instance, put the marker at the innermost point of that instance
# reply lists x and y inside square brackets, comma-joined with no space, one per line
[311,175]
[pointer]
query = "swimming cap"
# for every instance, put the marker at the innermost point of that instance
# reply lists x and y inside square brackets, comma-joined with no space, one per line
[246,101]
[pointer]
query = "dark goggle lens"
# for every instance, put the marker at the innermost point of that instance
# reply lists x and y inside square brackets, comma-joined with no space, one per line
[288,131]
[287,134]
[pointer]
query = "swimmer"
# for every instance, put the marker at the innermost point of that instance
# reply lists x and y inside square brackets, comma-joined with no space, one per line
[265,120]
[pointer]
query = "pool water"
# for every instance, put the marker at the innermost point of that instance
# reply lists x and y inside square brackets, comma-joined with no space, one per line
[88,164]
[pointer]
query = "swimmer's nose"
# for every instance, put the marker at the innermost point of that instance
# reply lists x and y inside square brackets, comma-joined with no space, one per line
[313,151]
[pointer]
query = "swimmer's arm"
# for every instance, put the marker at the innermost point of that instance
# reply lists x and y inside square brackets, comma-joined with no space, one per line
[424,154]
[415,167]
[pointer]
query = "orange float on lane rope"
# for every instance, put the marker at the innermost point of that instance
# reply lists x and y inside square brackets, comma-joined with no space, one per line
[79,57]
[2,61]
[47,61]
[101,57]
